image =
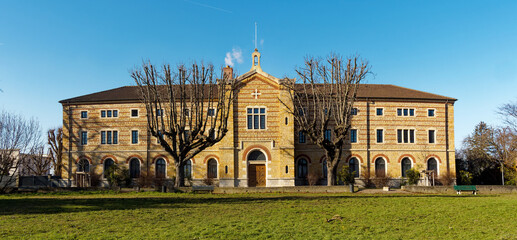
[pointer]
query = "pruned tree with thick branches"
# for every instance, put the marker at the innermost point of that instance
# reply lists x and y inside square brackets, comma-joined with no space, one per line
[187,108]
[322,101]
[55,141]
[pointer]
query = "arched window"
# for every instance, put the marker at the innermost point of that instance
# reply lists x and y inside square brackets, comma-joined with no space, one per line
[187,169]
[353,166]
[107,164]
[256,155]
[380,167]
[432,165]
[134,168]
[405,165]
[302,168]
[212,168]
[83,166]
[324,169]
[160,166]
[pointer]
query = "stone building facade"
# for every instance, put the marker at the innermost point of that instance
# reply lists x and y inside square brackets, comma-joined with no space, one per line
[394,129]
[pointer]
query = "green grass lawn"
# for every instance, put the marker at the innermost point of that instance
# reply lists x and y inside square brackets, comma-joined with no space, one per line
[102,215]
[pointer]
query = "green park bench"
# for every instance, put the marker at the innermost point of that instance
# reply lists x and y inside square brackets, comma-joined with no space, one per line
[460,188]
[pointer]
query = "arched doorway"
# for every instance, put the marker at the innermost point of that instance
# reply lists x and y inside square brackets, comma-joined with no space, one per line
[134,168]
[432,166]
[256,169]
[405,165]
[107,164]
[380,168]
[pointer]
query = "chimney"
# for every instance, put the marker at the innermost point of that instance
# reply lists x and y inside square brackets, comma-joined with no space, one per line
[227,72]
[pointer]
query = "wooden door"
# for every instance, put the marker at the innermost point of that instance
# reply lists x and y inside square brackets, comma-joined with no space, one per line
[257,175]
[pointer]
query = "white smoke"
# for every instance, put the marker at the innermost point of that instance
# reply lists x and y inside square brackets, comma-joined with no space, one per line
[234,56]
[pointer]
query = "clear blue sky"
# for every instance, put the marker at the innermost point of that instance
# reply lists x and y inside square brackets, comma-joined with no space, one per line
[52,50]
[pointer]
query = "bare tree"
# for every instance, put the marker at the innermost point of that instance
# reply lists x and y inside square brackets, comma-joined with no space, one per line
[55,141]
[187,108]
[36,162]
[323,103]
[17,134]
[504,148]
[509,113]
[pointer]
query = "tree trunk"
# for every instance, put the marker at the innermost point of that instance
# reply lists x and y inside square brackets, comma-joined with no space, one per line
[331,174]
[179,176]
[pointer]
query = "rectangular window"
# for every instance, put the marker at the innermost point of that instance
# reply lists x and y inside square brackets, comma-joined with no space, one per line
[405,112]
[301,112]
[115,137]
[108,113]
[354,111]
[84,138]
[406,136]
[115,113]
[301,137]
[256,118]
[134,136]
[134,112]
[108,137]
[353,135]
[380,136]
[84,114]
[103,113]
[328,134]
[380,111]
[186,112]
[159,112]
[431,136]
[211,112]
[103,137]
[430,112]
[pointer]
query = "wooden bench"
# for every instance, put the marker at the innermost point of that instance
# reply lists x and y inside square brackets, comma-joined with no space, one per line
[460,188]
[207,189]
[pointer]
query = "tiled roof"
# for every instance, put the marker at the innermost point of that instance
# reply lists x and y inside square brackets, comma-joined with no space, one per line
[365,91]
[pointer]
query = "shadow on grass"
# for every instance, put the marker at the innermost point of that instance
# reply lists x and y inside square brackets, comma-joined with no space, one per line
[86,203]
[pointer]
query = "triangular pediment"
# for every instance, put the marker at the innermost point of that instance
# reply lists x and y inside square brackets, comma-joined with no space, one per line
[257,75]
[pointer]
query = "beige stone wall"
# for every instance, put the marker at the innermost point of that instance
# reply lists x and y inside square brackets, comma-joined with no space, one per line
[279,141]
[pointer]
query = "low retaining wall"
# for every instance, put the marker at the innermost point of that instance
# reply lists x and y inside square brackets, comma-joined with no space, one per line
[297,189]
[482,189]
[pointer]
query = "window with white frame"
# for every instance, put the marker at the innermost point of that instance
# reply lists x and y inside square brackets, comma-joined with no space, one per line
[430,112]
[256,118]
[405,112]
[211,112]
[301,137]
[380,135]
[134,136]
[353,135]
[84,137]
[109,137]
[406,135]
[431,136]
[354,111]
[109,113]
[84,114]
[134,112]
[379,111]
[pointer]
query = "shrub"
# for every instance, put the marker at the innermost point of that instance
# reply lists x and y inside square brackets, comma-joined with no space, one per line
[118,176]
[382,181]
[313,178]
[208,181]
[447,178]
[95,179]
[510,176]
[145,180]
[465,177]
[413,176]
[345,176]
[367,177]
